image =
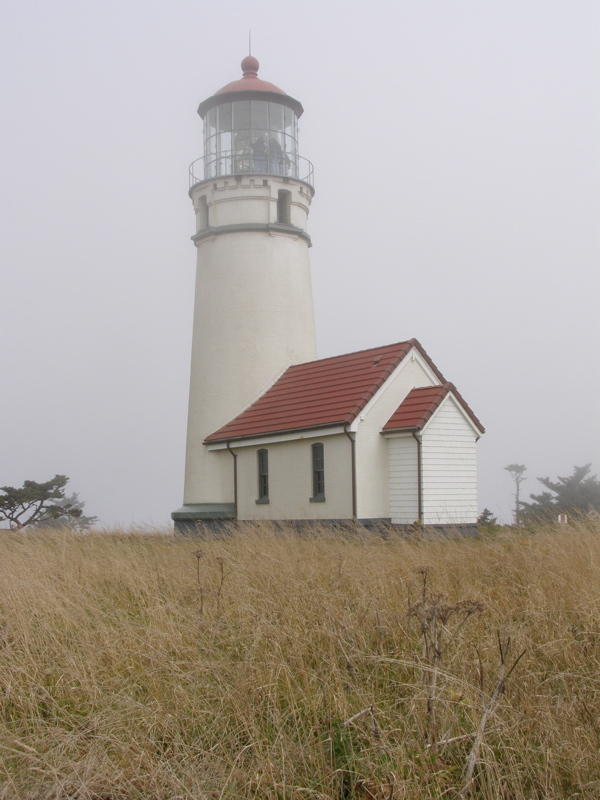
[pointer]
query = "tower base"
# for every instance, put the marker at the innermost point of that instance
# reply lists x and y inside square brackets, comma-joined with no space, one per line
[190,515]
[205,518]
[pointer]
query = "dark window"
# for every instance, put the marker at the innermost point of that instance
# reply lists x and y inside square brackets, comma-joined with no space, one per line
[284,201]
[318,471]
[263,476]
[202,214]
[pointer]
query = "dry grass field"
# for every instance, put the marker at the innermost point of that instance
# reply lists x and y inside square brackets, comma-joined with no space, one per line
[154,667]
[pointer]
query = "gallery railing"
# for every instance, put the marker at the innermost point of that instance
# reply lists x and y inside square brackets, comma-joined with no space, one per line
[230,163]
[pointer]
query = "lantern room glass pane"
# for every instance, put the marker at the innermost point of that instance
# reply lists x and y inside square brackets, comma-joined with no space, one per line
[259,115]
[211,121]
[241,141]
[259,152]
[225,115]
[241,115]
[289,145]
[277,159]
[276,116]
[289,121]
[225,142]
[275,142]
[242,152]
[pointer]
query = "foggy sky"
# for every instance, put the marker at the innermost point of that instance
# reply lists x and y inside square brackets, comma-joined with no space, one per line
[457,171]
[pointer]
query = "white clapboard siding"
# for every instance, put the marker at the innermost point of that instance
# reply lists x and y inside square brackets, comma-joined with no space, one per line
[449,467]
[403,459]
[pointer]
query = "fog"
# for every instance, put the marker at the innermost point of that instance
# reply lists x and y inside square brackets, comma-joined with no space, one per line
[457,171]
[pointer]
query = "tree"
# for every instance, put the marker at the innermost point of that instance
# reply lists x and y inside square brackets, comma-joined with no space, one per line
[68,520]
[487,522]
[574,494]
[518,474]
[38,503]
[487,518]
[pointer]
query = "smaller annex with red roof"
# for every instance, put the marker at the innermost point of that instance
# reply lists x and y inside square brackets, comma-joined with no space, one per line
[374,435]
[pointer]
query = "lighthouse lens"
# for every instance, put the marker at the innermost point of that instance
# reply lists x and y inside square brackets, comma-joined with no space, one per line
[251,136]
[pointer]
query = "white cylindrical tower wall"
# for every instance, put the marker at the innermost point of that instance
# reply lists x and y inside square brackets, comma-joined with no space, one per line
[253,314]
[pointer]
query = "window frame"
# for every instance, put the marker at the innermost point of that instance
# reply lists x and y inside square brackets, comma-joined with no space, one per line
[317,460]
[262,470]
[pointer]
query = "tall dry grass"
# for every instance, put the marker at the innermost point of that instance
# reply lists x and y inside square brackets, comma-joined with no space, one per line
[160,667]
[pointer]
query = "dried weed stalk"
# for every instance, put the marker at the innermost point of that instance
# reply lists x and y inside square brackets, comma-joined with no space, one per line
[439,625]
[199,554]
[375,729]
[489,709]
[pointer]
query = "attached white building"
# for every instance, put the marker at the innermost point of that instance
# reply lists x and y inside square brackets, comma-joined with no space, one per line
[373,435]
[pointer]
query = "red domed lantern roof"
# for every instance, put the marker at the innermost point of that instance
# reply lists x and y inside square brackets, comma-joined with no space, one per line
[250,82]
[250,87]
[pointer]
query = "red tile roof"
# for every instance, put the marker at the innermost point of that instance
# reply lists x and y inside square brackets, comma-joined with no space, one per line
[326,392]
[330,391]
[414,411]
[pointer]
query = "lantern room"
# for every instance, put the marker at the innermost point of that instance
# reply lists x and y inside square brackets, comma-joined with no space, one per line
[250,128]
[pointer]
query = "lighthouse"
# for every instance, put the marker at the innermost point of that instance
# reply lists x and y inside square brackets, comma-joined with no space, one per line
[251,192]
[376,436]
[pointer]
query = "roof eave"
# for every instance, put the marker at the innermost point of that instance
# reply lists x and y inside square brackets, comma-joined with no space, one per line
[281,432]
[249,94]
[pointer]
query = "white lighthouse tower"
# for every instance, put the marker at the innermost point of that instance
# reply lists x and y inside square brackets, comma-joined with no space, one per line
[253,314]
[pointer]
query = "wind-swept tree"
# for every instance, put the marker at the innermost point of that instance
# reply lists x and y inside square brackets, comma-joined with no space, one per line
[69,520]
[38,503]
[518,475]
[575,494]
